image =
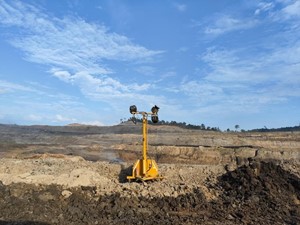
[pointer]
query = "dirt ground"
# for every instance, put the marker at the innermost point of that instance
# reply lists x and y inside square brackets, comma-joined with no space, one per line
[77,175]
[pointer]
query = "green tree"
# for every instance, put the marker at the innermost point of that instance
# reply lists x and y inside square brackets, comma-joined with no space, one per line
[236,127]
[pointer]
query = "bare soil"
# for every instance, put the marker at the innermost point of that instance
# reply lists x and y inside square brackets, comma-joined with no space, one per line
[77,175]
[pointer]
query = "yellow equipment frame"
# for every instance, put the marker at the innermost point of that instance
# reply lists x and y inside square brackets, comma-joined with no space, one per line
[144,169]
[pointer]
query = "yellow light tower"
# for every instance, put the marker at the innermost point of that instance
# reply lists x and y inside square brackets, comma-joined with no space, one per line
[145,169]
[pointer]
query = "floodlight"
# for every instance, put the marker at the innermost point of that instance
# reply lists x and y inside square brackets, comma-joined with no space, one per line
[154,118]
[155,109]
[144,169]
[133,109]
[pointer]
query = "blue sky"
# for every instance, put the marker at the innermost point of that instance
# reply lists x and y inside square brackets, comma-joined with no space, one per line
[220,63]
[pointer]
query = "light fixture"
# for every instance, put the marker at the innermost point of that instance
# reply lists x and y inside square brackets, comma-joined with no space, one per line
[154,118]
[133,109]
[155,109]
[145,168]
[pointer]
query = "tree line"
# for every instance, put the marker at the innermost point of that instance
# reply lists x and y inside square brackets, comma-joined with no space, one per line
[175,123]
[265,129]
[204,127]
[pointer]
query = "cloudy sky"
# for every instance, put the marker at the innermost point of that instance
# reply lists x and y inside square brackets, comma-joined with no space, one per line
[219,63]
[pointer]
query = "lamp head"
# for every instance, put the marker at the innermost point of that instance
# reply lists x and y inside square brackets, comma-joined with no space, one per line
[154,118]
[133,109]
[155,109]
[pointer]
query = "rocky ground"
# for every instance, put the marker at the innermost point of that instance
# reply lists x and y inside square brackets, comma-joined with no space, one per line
[77,175]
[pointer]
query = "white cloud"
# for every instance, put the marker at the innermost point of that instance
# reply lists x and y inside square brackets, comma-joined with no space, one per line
[238,80]
[78,46]
[248,83]
[46,38]
[93,123]
[77,52]
[264,7]
[38,106]
[62,75]
[63,119]
[34,118]
[8,87]
[279,10]
[34,90]
[201,90]
[137,87]
[100,88]
[230,66]
[226,23]
[293,9]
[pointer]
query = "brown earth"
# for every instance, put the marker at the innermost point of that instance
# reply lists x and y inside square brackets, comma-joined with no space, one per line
[77,175]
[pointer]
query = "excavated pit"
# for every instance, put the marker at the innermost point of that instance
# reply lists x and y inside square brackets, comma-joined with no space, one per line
[76,175]
[260,193]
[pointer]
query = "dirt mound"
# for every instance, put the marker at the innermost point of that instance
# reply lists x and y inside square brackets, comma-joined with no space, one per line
[261,193]
[261,190]
[50,205]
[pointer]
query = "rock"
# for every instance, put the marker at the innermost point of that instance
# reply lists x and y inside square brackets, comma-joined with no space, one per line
[144,193]
[66,193]
[230,217]
[230,167]
[175,194]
